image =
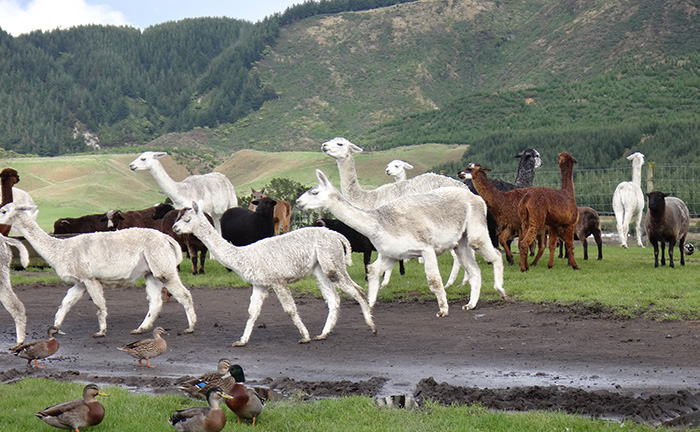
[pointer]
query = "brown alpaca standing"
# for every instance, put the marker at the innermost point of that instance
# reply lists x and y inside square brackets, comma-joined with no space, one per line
[283,211]
[503,207]
[555,208]
[8,178]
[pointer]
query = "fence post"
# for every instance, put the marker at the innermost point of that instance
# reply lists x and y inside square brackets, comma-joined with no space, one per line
[650,177]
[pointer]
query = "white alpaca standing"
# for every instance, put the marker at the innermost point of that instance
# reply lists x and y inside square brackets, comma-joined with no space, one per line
[274,262]
[628,202]
[110,258]
[214,189]
[8,298]
[418,226]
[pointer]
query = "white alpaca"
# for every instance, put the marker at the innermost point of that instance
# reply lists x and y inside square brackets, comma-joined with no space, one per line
[418,226]
[628,202]
[342,151]
[8,298]
[274,262]
[214,189]
[109,258]
[397,169]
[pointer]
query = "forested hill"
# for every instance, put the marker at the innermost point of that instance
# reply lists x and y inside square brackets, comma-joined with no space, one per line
[594,78]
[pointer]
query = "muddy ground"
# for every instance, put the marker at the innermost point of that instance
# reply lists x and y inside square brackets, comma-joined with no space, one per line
[504,355]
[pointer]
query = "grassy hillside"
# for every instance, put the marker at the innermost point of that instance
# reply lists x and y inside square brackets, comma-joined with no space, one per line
[71,186]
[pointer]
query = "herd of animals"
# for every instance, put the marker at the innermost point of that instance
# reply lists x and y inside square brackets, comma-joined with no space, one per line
[420,217]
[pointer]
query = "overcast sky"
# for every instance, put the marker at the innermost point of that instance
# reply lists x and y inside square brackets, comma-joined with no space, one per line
[24,16]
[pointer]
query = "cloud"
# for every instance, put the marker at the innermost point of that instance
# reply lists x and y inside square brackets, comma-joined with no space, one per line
[17,17]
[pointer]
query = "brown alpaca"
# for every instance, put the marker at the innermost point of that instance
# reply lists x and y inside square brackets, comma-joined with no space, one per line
[503,207]
[283,211]
[8,178]
[555,208]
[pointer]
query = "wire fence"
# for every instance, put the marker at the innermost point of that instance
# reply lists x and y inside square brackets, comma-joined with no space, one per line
[594,187]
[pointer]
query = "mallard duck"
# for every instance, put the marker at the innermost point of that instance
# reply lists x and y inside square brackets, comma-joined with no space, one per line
[244,401]
[76,414]
[202,419]
[146,349]
[38,349]
[200,386]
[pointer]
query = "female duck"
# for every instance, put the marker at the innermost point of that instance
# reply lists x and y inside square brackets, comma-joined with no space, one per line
[76,414]
[202,419]
[38,349]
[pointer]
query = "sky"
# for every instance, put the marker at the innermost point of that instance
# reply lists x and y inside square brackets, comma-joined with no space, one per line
[24,16]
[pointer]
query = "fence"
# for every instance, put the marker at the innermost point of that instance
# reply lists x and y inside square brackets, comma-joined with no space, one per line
[595,187]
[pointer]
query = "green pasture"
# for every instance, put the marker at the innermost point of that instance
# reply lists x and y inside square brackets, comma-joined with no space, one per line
[129,412]
[72,186]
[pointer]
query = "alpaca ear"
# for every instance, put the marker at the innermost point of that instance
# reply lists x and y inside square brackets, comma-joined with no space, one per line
[159,155]
[407,165]
[196,206]
[322,179]
[252,190]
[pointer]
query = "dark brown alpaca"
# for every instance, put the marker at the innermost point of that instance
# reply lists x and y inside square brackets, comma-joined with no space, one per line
[8,178]
[555,208]
[283,211]
[503,207]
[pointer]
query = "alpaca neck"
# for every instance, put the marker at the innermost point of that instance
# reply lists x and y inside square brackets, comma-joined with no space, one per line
[400,177]
[6,192]
[525,176]
[485,187]
[637,175]
[567,177]
[360,220]
[220,249]
[166,183]
[48,247]
[349,185]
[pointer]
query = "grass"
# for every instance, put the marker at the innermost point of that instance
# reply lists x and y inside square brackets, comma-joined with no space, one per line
[126,412]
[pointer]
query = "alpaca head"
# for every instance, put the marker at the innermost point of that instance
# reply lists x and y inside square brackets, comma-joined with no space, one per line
[188,218]
[317,197]
[565,158]
[9,176]
[11,211]
[657,201]
[636,158]
[397,168]
[471,169]
[146,160]
[339,148]
[530,156]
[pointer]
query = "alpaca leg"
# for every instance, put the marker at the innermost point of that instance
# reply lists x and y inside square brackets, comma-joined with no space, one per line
[72,296]
[454,272]
[621,229]
[503,238]
[330,295]
[638,228]
[599,243]
[553,247]
[155,303]
[569,243]
[432,273]
[290,307]
[541,241]
[96,292]
[376,269]
[663,253]
[347,285]
[193,257]
[202,258]
[584,243]
[257,297]
[16,309]
[671,245]
[655,244]
[467,259]
[183,296]
[493,257]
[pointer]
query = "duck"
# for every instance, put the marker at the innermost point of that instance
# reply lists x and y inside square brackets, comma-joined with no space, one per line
[244,401]
[76,414]
[202,419]
[199,387]
[38,349]
[146,349]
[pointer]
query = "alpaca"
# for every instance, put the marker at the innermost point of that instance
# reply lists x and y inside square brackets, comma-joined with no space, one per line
[110,258]
[628,202]
[288,257]
[283,211]
[503,206]
[418,226]
[667,221]
[214,189]
[397,169]
[588,223]
[555,208]
[8,298]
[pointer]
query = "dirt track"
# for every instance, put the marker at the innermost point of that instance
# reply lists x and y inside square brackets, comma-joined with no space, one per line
[512,355]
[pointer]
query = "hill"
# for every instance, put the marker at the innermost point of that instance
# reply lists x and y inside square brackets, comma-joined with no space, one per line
[72,186]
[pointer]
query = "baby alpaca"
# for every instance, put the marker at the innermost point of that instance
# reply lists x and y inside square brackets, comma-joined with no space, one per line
[272,263]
